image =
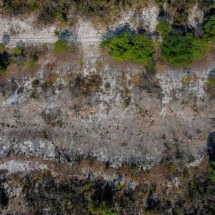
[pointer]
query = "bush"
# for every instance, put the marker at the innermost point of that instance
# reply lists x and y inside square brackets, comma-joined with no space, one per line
[17,51]
[137,48]
[209,28]
[200,48]
[142,48]
[62,46]
[177,49]
[163,28]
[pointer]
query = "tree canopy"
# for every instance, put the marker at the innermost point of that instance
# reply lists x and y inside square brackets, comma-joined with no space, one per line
[177,49]
[163,28]
[209,28]
[181,50]
[137,48]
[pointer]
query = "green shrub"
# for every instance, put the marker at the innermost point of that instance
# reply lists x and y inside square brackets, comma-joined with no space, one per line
[200,48]
[137,48]
[177,49]
[209,28]
[163,28]
[119,47]
[62,46]
[17,51]
[142,48]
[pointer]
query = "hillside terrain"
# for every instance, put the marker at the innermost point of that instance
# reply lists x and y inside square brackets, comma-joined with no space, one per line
[107,107]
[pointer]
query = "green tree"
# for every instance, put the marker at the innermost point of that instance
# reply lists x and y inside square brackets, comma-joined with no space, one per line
[177,50]
[163,28]
[119,47]
[137,48]
[209,28]
[141,49]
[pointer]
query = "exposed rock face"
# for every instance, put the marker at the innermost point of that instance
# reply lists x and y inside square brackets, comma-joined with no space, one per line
[150,18]
[196,16]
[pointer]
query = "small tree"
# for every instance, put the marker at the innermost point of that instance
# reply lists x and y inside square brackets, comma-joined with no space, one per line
[119,47]
[137,48]
[163,28]
[17,51]
[177,50]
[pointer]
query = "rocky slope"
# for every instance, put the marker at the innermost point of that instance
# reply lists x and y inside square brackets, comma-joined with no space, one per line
[117,114]
[83,127]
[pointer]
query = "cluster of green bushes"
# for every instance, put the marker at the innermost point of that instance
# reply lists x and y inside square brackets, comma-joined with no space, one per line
[176,49]
[27,56]
[179,50]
